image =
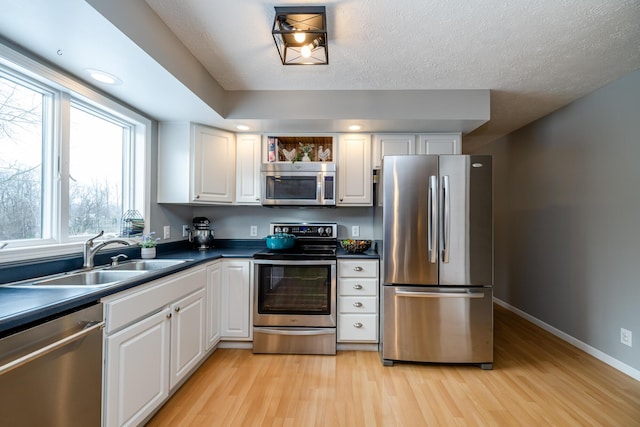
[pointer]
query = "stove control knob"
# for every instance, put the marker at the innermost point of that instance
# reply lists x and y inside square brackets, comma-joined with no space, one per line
[328,231]
[278,230]
[320,231]
[285,229]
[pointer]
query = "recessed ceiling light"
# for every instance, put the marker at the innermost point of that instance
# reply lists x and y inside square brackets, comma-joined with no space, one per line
[104,77]
[242,127]
[355,127]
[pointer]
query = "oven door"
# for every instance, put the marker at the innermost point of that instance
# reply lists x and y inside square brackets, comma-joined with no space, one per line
[295,293]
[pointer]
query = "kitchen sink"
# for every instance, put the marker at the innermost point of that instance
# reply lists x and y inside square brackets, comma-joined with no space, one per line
[101,276]
[93,278]
[145,265]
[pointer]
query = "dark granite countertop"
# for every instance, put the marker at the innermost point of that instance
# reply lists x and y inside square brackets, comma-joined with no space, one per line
[21,307]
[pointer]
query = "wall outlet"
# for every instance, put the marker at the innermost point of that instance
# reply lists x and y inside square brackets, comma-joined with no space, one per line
[167,231]
[253,231]
[185,230]
[355,231]
[626,337]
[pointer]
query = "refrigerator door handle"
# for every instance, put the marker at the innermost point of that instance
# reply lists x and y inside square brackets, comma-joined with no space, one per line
[433,219]
[464,294]
[445,235]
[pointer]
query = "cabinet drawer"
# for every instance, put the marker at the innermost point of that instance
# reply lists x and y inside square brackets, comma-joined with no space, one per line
[357,305]
[358,327]
[357,268]
[126,307]
[353,286]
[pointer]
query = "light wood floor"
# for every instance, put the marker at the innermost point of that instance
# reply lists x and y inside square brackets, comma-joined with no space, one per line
[538,380]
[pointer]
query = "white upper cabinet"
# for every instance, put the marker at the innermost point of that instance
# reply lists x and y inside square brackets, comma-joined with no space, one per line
[355,185]
[392,144]
[248,151]
[196,164]
[440,143]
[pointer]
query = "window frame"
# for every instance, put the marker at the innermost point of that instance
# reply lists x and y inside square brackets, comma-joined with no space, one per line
[65,92]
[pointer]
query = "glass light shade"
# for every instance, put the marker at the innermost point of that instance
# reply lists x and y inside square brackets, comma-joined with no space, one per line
[300,35]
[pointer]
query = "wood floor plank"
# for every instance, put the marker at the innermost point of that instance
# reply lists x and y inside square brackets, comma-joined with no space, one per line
[538,380]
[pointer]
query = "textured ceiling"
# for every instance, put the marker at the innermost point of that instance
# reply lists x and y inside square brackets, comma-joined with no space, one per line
[535,56]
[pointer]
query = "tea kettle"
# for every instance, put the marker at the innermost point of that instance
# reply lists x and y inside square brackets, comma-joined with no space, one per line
[201,234]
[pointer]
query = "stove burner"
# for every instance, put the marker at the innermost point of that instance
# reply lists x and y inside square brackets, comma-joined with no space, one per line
[315,241]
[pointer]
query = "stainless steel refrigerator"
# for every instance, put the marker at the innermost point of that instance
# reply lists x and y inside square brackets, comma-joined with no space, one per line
[437,259]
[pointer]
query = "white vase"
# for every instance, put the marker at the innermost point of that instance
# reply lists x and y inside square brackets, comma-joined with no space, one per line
[148,252]
[305,157]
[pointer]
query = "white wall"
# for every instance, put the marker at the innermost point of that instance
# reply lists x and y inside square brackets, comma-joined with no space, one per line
[233,222]
[567,218]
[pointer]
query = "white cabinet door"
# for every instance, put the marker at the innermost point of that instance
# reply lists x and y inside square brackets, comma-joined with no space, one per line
[389,145]
[214,286]
[236,300]
[213,165]
[187,335]
[137,370]
[248,151]
[196,164]
[355,177]
[440,143]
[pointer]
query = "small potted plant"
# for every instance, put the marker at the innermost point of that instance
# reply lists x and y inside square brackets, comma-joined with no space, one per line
[148,244]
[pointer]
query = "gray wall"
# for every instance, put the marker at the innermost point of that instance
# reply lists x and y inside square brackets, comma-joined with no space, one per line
[567,218]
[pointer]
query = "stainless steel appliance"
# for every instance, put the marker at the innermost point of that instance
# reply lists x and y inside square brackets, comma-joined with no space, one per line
[437,259]
[51,374]
[294,307]
[201,234]
[298,184]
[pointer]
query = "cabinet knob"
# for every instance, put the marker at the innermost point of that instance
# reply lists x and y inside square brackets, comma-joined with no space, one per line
[341,199]
[177,309]
[357,286]
[169,316]
[358,268]
[357,304]
[197,196]
[357,325]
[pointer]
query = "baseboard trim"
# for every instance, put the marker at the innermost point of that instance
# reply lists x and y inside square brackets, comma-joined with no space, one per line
[615,363]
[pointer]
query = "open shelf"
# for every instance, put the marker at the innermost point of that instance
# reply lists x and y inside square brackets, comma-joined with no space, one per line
[288,148]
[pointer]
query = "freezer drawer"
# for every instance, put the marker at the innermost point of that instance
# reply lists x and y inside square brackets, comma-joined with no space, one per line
[431,324]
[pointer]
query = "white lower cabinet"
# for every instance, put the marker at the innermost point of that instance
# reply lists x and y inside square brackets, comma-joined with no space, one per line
[214,289]
[155,336]
[137,370]
[358,301]
[236,299]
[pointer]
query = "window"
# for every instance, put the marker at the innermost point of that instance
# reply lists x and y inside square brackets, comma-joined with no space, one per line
[71,161]
[22,112]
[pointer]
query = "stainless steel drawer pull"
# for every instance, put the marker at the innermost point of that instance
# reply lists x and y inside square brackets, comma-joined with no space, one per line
[357,304]
[358,286]
[358,268]
[357,325]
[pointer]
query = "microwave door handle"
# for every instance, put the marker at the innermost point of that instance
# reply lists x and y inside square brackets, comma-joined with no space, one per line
[320,188]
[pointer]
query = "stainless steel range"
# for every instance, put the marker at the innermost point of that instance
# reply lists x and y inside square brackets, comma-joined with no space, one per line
[294,309]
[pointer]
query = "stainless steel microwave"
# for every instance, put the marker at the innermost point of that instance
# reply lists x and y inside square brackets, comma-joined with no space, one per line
[298,184]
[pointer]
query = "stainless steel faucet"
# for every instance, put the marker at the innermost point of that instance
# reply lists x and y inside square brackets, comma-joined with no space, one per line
[89,250]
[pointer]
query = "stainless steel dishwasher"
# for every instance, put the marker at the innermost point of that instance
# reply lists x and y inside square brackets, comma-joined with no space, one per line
[51,374]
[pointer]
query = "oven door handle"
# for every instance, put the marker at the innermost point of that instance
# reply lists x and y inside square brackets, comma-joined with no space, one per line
[297,262]
[296,331]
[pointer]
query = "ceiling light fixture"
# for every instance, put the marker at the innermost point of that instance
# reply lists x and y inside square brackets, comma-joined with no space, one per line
[103,77]
[300,34]
[355,127]
[242,127]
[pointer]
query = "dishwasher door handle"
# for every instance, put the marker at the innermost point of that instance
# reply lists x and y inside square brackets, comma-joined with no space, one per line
[417,294]
[90,327]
